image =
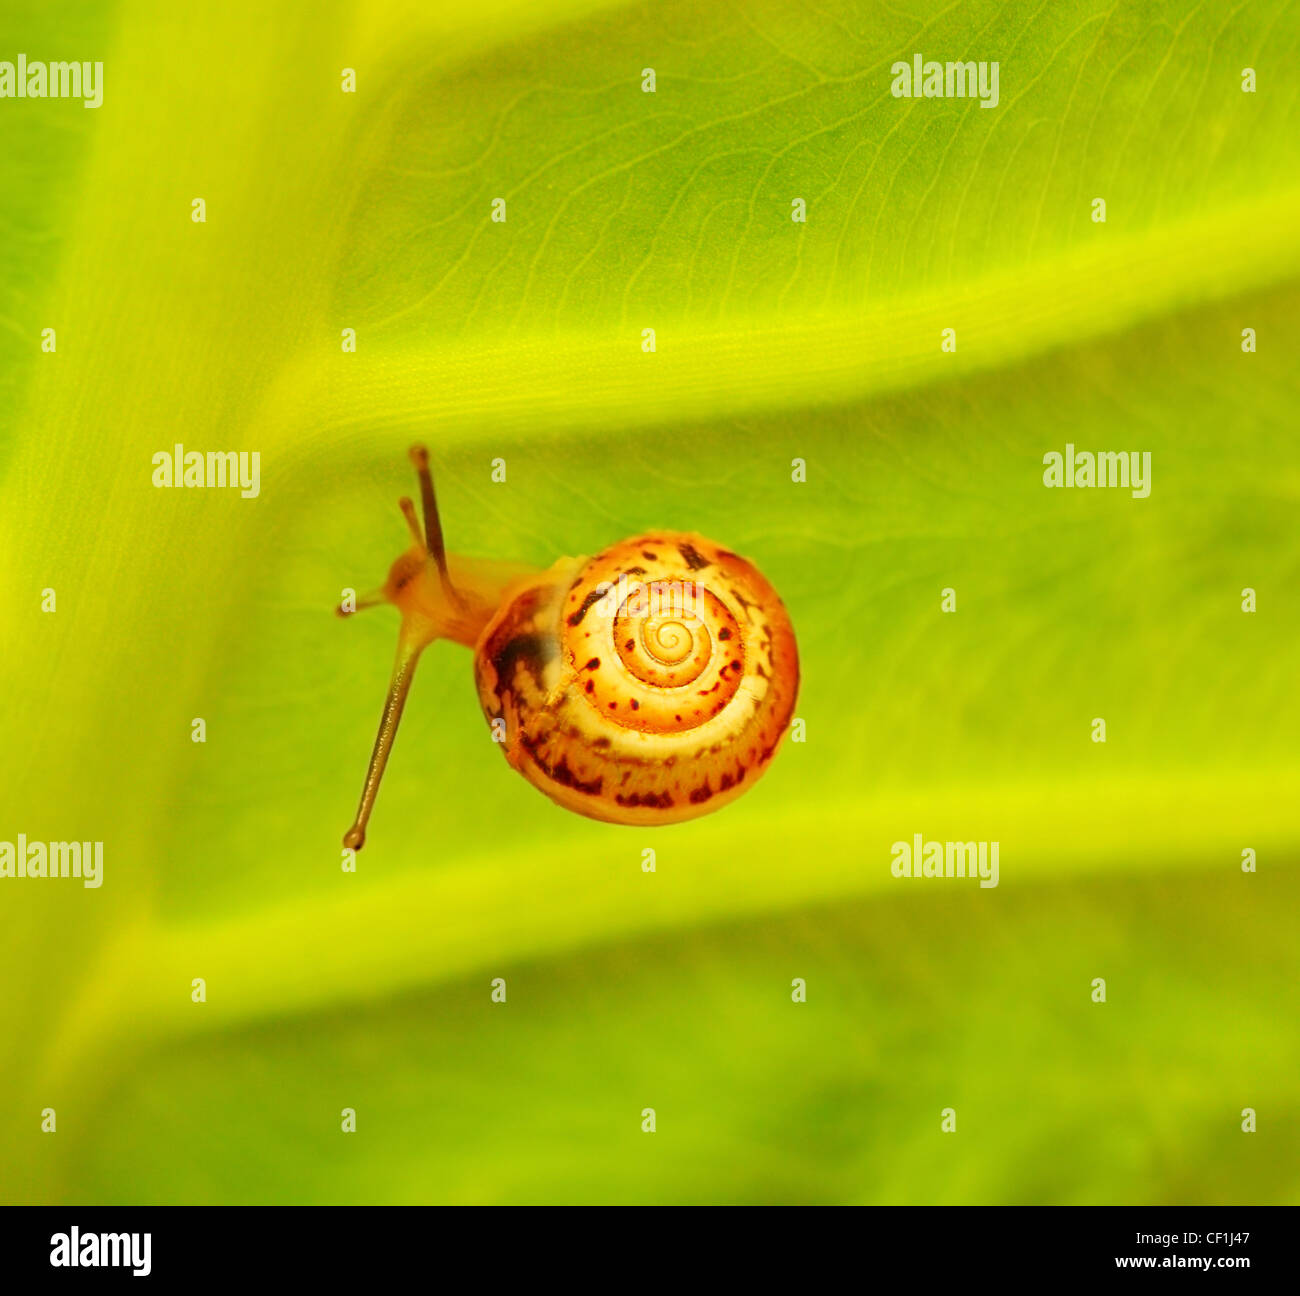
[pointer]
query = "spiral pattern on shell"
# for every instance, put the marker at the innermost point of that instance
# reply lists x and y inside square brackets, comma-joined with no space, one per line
[649,684]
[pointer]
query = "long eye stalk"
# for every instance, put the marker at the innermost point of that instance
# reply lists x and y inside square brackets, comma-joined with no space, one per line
[408,654]
[432,522]
[409,645]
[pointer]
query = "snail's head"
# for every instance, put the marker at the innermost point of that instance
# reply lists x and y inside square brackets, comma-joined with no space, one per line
[439,598]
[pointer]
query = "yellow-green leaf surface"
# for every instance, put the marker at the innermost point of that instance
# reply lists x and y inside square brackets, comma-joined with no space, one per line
[775,341]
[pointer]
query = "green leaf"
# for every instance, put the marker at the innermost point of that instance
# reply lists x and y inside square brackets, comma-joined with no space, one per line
[774,341]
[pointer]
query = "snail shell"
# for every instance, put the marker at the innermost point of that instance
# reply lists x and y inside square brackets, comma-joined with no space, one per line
[647,685]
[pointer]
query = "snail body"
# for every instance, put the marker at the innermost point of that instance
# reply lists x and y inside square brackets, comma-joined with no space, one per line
[647,685]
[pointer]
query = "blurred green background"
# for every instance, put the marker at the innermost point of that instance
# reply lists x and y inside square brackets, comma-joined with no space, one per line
[775,340]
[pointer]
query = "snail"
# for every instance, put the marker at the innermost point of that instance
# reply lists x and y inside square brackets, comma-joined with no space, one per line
[647,685]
